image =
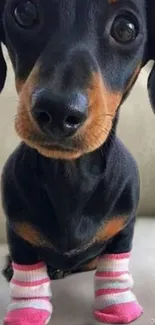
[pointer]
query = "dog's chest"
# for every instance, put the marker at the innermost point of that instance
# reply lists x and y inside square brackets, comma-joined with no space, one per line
[66,211]
[70,227]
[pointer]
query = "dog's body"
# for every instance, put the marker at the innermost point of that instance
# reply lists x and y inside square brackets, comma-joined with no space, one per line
[71,190]
[103,192]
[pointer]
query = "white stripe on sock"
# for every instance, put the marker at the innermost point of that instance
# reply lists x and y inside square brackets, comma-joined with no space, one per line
[33,275]
[123,281]
[43,290]
[33,303]
[113,299]
[109,265]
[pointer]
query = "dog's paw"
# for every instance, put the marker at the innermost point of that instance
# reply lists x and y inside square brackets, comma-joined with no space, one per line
[119,314]
[27,316]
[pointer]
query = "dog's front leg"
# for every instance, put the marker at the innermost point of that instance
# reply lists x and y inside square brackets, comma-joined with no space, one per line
[114,301]
[29,286]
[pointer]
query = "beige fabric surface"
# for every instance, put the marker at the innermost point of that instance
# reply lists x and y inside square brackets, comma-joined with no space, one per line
[73,296]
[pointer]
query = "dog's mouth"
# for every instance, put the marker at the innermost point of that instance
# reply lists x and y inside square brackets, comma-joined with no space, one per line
[49,143]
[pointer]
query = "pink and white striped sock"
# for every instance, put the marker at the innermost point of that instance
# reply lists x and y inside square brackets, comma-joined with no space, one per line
[114,301]
[30,293]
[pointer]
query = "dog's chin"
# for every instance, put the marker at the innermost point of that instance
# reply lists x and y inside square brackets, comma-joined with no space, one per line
[51,149]
[74,150]
[57,151]
[60,151]
[70,149]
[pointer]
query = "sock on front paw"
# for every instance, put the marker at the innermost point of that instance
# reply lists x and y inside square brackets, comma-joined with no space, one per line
[114,301]
[30,294]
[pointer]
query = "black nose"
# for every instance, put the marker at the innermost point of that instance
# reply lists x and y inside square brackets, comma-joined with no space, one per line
[59,115]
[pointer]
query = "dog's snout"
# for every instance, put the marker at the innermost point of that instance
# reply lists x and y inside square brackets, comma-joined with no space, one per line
[59,115]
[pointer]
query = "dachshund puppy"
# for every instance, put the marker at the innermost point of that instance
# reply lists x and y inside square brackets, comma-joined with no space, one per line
[70,190]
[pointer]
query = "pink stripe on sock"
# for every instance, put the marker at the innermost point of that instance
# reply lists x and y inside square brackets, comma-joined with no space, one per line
[30,284]
[110,274]
[113,314]
[104,292]
[32,267]
[115,256]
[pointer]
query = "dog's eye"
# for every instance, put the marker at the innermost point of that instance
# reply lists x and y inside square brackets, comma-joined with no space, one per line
[26,14]
[124,30]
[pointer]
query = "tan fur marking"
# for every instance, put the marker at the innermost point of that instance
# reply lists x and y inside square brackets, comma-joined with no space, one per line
[19,85]
[91,266]
[34,237]
[103,104]
[31,235]
[112,1]
[110,229]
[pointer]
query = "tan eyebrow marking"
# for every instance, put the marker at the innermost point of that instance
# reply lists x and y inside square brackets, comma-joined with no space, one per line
[112,1]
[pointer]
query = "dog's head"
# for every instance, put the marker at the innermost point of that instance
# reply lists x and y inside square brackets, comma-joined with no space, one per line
[74,61]
[2,61]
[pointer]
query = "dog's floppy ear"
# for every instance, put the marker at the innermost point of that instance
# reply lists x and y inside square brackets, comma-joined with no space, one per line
[3,68]
[151,49]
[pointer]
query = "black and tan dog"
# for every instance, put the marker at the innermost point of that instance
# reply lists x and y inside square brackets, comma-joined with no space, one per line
[71,189]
